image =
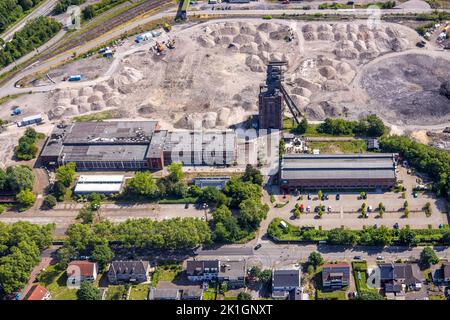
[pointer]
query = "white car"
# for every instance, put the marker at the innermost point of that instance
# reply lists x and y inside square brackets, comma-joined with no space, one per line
[308,208]
[369,208]
[380,258]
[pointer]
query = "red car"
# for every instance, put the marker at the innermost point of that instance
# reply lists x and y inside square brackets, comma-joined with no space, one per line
[302,207]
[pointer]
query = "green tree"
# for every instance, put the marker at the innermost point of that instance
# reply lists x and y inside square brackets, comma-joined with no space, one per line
[221,214]
[143,184]
[86,214]
[320,194]
[213,197]
[446,237]
[66,174]
[381,209]
[297,213]
[88,291]
[315,259]
[320,210]
[59,190]
[3,180]
[19,177]
[239,191]
[175,170]
[281,148]
[49,201]
[428,257]
[302,127]
[244,296]
[407,236]
[342,236]
[252,175]
[428,210]
[376,126]
[255,271]
[251,213]
[26,198]
[95,200]
[266,276]
[102,254]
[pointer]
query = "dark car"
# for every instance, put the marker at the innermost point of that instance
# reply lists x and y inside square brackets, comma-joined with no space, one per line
[357,258]
[309,196]
[396,226]
[259,245]
[323,197]
[186,206]
[338,196]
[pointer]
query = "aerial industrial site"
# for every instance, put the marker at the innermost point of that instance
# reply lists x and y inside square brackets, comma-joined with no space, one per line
[229,150]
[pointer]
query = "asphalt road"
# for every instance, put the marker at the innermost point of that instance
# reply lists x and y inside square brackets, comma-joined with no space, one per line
[42,10]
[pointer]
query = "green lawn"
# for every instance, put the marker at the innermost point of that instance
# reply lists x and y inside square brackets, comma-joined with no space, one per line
[139,292]
[355,146]
[332,295]
[359,273]
[116,293]
[166,273]
[55,281]
[209,294]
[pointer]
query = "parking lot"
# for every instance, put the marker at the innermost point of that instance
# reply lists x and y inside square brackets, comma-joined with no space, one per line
[346,210]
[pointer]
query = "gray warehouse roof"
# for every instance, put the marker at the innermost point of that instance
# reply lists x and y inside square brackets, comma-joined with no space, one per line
[330,166]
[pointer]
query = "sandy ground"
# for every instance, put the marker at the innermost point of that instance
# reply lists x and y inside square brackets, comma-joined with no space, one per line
[212,77]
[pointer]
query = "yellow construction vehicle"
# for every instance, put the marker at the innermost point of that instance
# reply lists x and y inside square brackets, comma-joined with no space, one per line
[159,47]
[167,27]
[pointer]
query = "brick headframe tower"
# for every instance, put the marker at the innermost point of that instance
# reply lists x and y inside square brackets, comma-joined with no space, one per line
[271,98]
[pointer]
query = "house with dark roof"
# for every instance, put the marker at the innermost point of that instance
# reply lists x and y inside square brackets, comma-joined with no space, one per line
[441,275]
[233,272]
[82,270]
[335,276]
[202,270]
[37,292]
[129,271]
[397,277]
[284,281]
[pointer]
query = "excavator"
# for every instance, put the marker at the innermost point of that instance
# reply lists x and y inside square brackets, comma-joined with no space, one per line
[159,47]
[170,44]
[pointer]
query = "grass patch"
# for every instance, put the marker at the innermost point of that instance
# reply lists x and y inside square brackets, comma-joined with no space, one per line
[360,275]
[98,116]
[54,280]
[139,292]
[281,205]
[311,131]
[166,273]
[355,146]
[116,293]
[209,294]
[332,295]
[288,123]
[179,200]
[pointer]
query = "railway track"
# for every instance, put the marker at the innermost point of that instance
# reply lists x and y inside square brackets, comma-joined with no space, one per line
[108,25]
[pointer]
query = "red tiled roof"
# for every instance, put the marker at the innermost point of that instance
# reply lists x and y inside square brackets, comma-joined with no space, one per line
[36,292]
[86,268]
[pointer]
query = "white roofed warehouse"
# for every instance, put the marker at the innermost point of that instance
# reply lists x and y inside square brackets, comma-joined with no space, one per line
[104,184]
[338,171]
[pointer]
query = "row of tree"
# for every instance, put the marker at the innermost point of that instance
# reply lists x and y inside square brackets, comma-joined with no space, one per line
[20,246]
[370,126]
[426,159]
[34,34]
[381,236]
[13,10]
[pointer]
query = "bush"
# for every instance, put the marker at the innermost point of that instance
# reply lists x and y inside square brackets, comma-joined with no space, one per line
[49,201]
[26,199]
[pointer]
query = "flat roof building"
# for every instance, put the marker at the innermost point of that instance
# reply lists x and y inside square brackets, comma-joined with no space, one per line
[105,184]
[134,145]
[338,171]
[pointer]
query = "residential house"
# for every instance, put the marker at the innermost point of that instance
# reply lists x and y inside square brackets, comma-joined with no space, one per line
[129,271]
[335,276]
[397,277]
[202,270]
[441,275]
[37,292]
[82,270]
[233,272]
[284,281]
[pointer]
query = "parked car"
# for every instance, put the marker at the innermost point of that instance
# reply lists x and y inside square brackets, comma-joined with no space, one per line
[259,245]
[415,194]
[338,196]
[329,208]
[302,207]
[309,196]
[323,197]
[396,225]
[308,208]
[323,208]
[369,208]
[375,226]
[186,206]
[380,258]
[357,258]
